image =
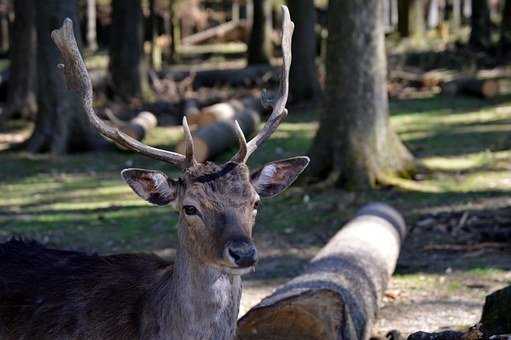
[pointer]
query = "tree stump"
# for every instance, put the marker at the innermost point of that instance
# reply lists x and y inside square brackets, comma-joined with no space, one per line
[496,318]
[338,295]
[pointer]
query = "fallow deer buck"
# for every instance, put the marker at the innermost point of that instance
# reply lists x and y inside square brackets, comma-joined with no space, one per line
[56,294]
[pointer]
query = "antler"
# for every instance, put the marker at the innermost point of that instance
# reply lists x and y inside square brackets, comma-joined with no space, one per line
[77,79]
[279,111]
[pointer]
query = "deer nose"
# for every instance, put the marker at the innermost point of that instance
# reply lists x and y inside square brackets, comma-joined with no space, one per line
[242,253]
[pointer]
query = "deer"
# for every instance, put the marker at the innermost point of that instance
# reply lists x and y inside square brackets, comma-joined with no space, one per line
[58,294]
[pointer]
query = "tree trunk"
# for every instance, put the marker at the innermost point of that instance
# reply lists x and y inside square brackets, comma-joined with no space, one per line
[61,125]
[92,42]
[339,294]
[355,142]
[505,29]
[21,86]
[260,44]
[126,50]
[411,19]
[480,25]
[303,80]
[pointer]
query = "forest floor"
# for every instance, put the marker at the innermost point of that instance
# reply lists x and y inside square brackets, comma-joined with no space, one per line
[458,209]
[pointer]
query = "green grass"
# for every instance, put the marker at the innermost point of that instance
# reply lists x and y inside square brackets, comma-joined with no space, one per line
[81,201]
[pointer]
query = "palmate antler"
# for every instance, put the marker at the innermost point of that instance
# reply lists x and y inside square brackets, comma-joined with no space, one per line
[77,79]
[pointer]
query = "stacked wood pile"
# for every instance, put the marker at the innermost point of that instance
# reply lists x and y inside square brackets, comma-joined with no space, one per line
[484,84]
[338,295]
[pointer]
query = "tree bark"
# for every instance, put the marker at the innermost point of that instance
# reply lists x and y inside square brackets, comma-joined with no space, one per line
[21,86]
[411,19]
[303,80]
[480,25]
[260,44]
[61,125]
[92,42]
[126,50]
[355,142]
[338,295]
[505,29]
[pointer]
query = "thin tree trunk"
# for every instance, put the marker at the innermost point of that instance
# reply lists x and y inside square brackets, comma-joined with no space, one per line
[355,142]
[20,93]
[480,25]
[303,80]
[92,43]
[61,124]
[260,45]
[411,19]
[126,50]
[505,29]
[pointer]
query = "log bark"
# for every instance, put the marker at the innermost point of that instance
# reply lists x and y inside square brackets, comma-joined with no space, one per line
[338,295]
[482,88]
[496,318]
[214,139]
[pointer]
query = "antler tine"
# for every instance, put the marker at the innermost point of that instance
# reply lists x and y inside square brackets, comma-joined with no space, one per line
[242,152]
[190,151]
[279,105]
[77,79]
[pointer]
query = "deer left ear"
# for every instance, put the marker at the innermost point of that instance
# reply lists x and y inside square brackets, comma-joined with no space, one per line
[276,176]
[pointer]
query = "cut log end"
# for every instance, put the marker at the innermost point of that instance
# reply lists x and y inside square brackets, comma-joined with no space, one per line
[314,315]
[201,149]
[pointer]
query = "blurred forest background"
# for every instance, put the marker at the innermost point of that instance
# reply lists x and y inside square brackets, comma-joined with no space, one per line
[402,101]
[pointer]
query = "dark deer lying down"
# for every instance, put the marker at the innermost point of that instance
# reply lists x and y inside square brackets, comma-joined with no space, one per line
[56,294]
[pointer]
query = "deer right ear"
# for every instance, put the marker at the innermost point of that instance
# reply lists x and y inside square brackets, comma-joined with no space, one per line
[153,186]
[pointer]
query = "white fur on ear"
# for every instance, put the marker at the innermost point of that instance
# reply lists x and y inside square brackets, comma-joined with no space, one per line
[268,172]
[152,186]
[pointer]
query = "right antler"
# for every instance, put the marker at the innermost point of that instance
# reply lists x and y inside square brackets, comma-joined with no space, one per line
[77,78]
[279,111]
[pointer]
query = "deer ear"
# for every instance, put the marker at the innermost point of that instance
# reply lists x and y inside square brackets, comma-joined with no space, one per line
[153,186]
[276,176]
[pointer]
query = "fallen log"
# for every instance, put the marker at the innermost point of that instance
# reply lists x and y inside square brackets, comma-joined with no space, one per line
[225,111]
[482,88]
[338,295]
[138,127]
[213,139]
[254,75]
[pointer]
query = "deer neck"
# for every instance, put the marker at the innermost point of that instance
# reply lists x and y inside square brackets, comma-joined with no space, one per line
[195,302]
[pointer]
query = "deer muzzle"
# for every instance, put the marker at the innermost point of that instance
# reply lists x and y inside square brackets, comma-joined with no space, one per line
[241,253]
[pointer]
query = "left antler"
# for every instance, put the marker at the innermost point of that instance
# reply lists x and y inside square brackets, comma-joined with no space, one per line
[279,111]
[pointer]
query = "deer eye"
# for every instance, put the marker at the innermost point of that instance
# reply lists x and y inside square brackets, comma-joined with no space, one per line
[190,210]
[256,205]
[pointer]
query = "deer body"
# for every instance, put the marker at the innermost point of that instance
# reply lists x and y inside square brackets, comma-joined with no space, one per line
[55,294]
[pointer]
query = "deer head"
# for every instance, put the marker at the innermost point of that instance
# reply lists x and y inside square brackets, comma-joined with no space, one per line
[217,204]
